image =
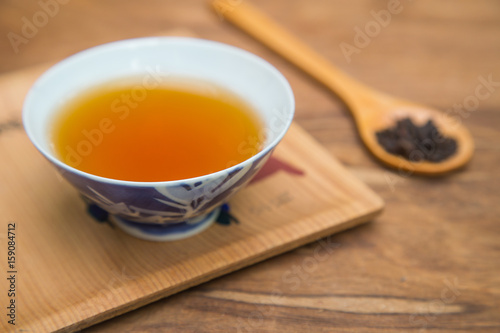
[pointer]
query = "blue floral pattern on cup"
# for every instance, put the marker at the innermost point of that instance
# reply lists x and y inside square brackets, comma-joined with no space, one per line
[165,203]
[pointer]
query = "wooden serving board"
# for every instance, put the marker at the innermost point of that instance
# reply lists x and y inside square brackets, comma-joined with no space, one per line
[71,272]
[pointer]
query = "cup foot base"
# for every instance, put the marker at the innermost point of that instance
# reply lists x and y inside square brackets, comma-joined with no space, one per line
[166,232]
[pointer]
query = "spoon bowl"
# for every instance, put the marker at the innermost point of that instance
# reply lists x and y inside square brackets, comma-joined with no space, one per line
[373,111]
[369,124]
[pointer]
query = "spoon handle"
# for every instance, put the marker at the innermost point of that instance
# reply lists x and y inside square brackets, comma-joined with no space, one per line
[255,23]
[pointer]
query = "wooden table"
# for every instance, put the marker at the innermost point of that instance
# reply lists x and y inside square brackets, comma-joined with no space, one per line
[431,262]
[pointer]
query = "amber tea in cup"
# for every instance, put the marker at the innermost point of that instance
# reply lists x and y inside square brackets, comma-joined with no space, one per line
[172,131]
[157,133]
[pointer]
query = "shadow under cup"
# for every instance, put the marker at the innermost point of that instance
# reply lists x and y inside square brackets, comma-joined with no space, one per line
[167,210]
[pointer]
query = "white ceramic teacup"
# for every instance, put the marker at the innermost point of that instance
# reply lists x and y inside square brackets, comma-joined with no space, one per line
[172,209]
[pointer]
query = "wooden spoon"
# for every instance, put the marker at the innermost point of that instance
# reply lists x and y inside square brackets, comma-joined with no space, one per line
[373,111]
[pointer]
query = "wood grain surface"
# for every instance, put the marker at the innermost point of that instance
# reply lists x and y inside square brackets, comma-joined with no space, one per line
[67,272]
[431,262]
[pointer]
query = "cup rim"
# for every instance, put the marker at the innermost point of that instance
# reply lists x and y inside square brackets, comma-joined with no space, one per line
[134,42]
